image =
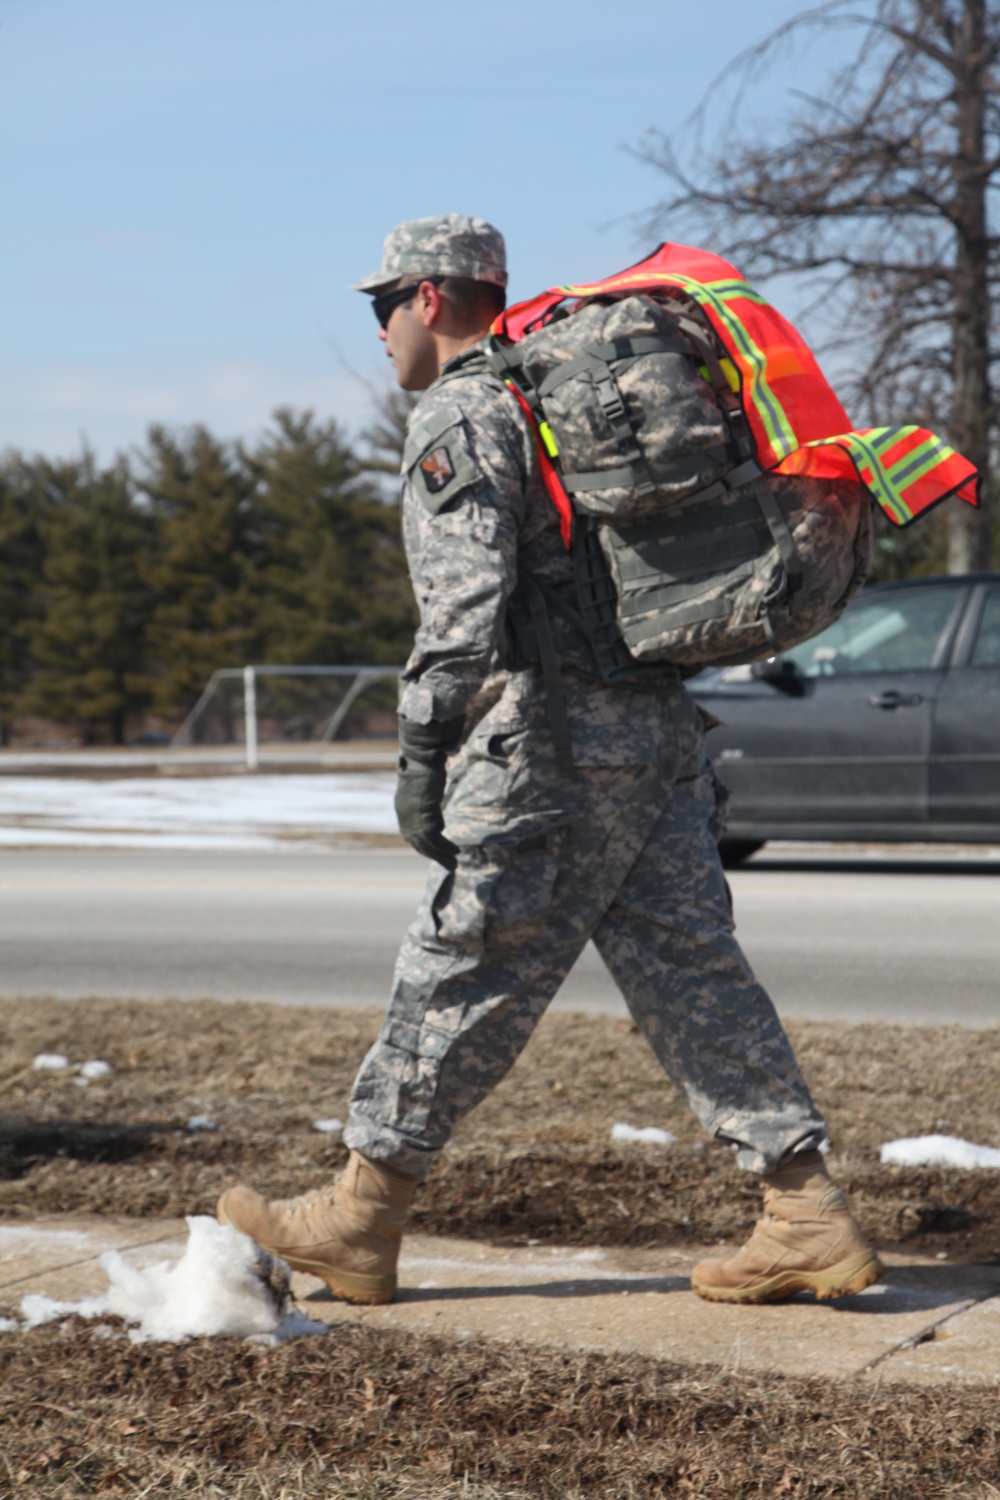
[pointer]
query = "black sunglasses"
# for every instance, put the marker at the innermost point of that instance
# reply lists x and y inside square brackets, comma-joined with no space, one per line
[385,305]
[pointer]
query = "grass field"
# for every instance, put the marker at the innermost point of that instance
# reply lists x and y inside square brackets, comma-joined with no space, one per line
[368,1413]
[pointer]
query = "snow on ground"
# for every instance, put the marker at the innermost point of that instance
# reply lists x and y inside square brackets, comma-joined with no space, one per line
[56,1062]
[938,1151]
[223,1284]
[646,1135]
[96,1068]
[261,812]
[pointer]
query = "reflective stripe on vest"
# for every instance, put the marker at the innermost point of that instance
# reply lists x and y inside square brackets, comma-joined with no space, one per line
[907,469]
[797,422]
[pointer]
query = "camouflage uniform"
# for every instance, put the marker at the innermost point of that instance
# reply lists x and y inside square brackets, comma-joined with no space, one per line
[622,853]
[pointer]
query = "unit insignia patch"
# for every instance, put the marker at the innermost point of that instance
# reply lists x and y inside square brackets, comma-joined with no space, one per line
[437,459]
[437,469]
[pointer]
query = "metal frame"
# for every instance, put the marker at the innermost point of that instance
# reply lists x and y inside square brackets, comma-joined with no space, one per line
[364,677]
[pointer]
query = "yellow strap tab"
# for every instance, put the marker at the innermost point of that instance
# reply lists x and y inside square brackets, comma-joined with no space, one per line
[545,433]
[728,369]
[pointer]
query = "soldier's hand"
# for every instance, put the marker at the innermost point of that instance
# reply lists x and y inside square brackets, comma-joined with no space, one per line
[420,787]
[419,792]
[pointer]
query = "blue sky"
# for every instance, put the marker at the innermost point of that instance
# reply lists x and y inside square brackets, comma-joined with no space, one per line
[191,185]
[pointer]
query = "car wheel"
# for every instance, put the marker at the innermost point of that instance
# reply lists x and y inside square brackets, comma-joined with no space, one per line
[735,851]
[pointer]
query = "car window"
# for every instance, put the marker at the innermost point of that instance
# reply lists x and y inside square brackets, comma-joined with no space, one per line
[894,632]
[986,651]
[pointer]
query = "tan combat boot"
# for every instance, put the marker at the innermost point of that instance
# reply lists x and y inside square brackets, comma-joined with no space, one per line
[806,1241]
[348,1233]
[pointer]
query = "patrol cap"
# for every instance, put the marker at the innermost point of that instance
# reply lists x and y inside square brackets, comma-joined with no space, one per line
[446,245]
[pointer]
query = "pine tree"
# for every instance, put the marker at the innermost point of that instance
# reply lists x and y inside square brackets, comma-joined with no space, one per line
[330,580]
[20,580]
[385,435]
[88,637]
[199,493]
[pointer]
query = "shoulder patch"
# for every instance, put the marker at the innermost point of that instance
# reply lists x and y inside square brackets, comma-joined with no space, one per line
[437,461]
[436,468]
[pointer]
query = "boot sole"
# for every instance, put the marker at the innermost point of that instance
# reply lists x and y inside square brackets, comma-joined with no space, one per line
[842,1280]
[348,1286]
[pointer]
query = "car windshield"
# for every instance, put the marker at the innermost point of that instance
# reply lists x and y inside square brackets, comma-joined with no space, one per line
[893,632]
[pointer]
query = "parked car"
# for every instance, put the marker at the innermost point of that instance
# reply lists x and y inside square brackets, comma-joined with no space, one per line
[884,727]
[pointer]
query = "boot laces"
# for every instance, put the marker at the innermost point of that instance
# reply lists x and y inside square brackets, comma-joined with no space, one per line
[321,1197]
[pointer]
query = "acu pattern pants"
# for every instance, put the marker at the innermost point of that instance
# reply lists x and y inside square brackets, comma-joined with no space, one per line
[624,854]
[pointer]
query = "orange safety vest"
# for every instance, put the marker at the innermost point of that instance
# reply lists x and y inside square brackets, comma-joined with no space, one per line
[797,422]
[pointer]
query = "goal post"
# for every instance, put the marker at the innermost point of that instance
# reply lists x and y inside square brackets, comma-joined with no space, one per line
[311,704]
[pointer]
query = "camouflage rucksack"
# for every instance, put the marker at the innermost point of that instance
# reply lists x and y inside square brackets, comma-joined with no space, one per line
[684,551]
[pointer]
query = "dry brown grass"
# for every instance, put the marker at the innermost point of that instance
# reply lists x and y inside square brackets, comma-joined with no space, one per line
[371,1413]
[534,1162]
[388,1416]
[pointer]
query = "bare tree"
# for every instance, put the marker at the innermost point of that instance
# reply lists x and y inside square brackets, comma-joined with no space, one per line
[385,435]
[884,190]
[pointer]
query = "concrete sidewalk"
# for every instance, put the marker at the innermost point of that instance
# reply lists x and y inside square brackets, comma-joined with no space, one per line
[928,1322]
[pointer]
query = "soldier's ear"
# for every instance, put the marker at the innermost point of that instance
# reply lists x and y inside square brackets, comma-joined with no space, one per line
[429,304]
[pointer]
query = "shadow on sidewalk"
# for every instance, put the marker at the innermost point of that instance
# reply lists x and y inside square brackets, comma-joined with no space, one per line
[609,1286]
[904,1290]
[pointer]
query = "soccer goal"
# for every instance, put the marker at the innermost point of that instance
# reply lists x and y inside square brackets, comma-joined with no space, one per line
[256,704]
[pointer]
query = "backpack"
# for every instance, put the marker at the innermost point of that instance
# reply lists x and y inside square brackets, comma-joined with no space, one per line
[716,504]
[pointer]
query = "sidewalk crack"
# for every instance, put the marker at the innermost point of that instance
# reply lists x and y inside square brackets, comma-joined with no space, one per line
[929,1332]
[83,1260]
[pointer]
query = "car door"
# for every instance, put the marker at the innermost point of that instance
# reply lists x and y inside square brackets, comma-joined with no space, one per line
[847,738]
[965,743]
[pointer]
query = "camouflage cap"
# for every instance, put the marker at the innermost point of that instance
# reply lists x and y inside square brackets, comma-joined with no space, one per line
[446,245]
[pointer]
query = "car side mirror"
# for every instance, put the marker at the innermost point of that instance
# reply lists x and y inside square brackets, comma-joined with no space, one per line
[780,673]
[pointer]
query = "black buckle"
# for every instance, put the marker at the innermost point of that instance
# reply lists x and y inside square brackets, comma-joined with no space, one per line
[609,396]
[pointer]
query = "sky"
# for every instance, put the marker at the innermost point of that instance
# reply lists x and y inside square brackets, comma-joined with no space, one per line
[190,186]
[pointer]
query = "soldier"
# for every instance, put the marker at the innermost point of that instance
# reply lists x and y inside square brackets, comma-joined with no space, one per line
[529,863]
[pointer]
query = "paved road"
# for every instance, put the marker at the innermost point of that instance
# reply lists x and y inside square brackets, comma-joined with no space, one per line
[905,938]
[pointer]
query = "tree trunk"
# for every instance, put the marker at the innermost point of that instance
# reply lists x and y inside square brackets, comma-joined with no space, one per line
[969,530]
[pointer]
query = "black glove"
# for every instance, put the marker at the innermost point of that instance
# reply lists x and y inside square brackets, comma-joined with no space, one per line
[424,748]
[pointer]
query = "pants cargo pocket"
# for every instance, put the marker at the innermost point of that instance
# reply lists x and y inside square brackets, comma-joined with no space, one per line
[522,892]
[498,891]
[398,1081]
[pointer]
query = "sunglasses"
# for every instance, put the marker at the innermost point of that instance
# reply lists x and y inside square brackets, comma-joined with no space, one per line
[386,304]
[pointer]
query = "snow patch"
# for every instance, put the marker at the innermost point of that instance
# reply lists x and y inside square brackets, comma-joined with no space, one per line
[96,1068]
[938,1151]
[36,1309]
[647,1135]
[53,1062]
[262,812]
[294,1325]
[328,1127]
[223,1284]
[201,1122]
